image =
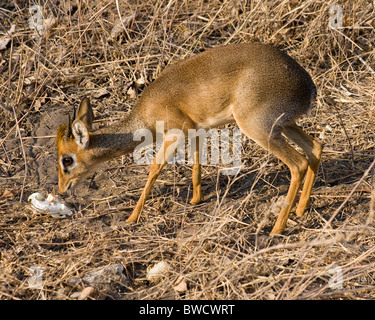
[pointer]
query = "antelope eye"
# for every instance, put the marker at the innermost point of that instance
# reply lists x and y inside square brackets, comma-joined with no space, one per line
[67,161]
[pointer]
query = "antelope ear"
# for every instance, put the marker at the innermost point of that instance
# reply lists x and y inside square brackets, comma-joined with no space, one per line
[81,134]
[85,113]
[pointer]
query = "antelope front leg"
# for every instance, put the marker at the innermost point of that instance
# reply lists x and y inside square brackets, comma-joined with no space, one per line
[197,179]
[165,152]
[154,173]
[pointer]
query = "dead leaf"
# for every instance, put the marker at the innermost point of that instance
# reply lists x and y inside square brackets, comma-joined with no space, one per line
[181,287]
[7,194]
[87,292]
[140,82]
[37,105]
[5,40]
[100,92]
[121,25]
[132,93]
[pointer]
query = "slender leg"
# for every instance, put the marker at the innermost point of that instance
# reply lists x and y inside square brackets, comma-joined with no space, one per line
[165,152]
[271,139]
[313,151]
[197,176]
[297,165]
[155,170]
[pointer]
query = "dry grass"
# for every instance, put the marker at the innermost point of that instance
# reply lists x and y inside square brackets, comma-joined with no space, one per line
[221,247]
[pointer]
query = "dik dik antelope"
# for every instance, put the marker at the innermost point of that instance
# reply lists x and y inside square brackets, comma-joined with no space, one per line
[255,85]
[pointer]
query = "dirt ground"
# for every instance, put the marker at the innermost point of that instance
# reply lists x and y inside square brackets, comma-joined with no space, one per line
[221,248]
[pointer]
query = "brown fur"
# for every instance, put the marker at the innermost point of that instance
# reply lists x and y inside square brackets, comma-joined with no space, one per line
[255,85]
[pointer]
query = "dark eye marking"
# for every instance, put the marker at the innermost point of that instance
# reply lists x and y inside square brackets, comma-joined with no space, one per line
[67,161]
